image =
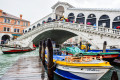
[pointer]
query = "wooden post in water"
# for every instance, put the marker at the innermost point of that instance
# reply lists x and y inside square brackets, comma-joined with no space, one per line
[50,60]
[86,49]
[43,55]
[80,45]
[40,49]
[114,76]
[104,46]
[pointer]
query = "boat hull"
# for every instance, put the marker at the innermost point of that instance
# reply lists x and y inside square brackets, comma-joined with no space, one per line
[10,50]
[80,73]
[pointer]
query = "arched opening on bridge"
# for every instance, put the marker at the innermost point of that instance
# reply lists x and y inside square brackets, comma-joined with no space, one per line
[59,36]
[33,27]
[43,22]
[91,20]
[80,18]
[25,31]
[38,24]
[116,22]
[104,21]
[49,19]
[29,29]
[59,12]
[71,17]
[5,39]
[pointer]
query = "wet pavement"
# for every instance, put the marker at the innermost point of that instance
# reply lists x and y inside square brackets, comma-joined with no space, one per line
[26,68]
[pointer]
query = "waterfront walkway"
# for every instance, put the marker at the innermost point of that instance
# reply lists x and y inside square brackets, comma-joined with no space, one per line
[26,68]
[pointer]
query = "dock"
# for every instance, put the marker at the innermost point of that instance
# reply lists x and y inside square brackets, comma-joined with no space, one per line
[26,68]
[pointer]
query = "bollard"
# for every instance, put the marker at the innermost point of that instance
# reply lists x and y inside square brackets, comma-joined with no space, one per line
[80,45]
[43,55]
[86,49]
[114,76]
[40,49]
[50,60]
[104,46]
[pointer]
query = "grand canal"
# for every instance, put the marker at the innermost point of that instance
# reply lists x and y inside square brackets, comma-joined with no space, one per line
[7,60]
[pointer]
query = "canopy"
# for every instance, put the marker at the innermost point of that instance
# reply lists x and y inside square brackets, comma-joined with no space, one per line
[16,34]
[73,50]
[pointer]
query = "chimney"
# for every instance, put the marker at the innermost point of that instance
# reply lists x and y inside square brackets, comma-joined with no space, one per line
[20,16]
[0,12]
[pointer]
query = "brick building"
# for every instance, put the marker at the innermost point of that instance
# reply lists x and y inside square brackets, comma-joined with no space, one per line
[11,26]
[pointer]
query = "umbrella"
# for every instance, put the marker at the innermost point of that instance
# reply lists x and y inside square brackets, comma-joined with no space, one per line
[118,27]
[88,23]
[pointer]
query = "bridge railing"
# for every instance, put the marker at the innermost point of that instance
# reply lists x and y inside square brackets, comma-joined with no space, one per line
[73,26]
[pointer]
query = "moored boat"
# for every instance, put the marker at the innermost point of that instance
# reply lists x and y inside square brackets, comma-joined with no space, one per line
[80,67]
[109,56]
[8,49]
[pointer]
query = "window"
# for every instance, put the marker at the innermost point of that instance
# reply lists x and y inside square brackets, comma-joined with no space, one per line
[4,28]
[15,22]
[18,22]
[5,20]
[18,30]
[8,21]
[23,23]
[26,23]
[14,30]
[8,29]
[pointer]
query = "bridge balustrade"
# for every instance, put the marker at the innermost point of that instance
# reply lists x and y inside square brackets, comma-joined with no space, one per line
[74,26]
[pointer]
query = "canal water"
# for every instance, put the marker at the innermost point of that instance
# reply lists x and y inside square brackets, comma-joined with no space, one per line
[7,60]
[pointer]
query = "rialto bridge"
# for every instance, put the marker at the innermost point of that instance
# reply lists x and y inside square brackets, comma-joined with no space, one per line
[94,25]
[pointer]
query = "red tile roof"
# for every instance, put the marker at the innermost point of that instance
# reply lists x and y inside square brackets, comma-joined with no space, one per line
[4,14]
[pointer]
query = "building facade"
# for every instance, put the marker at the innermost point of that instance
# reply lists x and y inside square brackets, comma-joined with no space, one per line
[11,26]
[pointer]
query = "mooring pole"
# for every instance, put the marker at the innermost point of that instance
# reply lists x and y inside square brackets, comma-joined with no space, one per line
[86,49]
[80,45]
[50,60]
[40,49]
[43,55]
[114,76]
[104,46]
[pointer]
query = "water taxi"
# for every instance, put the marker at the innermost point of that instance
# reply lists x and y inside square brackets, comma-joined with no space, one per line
[80,67]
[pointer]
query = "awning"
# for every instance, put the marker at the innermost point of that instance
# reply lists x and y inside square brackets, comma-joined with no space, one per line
[16,34]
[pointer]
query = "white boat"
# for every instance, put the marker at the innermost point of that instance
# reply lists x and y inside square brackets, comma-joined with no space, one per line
[80,68]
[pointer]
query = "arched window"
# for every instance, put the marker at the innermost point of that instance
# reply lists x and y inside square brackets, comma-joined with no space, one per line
[43,22]
[104,21]
[25,31]
[91,19]
[80,18]
[29,29]
[49,19]
[116,22]
[71,17]
[33,27]
[38,24]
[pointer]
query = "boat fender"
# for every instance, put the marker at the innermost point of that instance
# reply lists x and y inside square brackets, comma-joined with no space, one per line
[54,66]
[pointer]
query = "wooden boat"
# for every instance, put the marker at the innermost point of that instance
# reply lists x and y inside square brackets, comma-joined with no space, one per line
[80,68]
[8,49]
[109,56]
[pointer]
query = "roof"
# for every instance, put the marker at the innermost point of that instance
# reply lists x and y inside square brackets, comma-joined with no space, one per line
[4,14]
[62,3]
[96,9]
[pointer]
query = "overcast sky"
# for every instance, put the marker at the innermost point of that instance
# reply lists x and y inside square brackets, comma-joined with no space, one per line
[34,10]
